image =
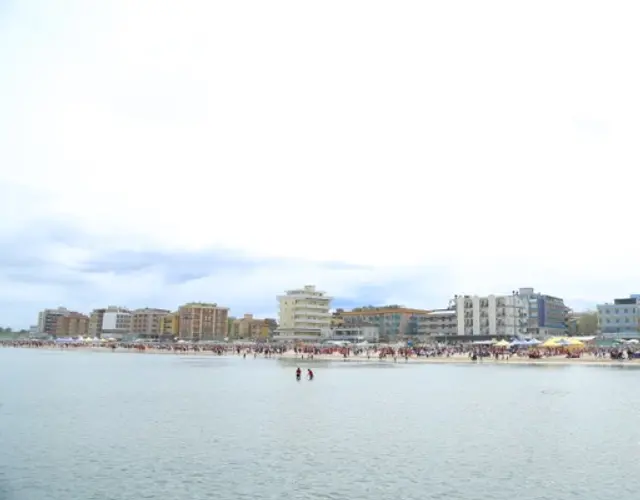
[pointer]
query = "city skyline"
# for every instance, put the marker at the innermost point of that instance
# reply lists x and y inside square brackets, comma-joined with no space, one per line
[416,153]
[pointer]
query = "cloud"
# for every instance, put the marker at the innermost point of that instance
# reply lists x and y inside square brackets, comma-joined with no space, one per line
[152,151]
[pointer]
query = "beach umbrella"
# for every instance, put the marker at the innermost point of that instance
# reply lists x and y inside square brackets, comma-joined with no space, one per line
[502,343]
[533,342]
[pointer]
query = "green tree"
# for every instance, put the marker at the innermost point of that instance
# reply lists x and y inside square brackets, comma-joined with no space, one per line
[588,323]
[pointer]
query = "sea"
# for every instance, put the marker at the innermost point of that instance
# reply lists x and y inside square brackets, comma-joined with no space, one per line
[117,426]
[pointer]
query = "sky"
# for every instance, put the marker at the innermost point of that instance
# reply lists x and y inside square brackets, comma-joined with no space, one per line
[157,152]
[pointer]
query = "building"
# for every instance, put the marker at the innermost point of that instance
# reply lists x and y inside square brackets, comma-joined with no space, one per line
[522,313]
[72,324]
[95,322]
[203,321]
[438,323]
[303,314]
[393,322]
[546,315]
[492,315]
[48,320]
[116,322]
[336,318]
[252,328]
[620,319]
[170,326]
[361,333]
[146,322]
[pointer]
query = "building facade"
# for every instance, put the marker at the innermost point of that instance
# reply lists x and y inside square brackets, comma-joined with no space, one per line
[438,323]
[251,328]
[73,324]
[95,322]
[522,313]
[393,322]
[303,314]
[493,315]
[362,333]
[48,320]
[620,318]
[170,326]
[146,322]
[116,322]
[203,321]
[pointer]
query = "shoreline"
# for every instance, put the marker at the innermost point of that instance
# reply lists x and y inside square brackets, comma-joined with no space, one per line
[330,358]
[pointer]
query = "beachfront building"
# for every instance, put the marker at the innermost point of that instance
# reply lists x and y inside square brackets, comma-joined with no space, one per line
[394,322]
[303,315]
[492,315]
[521,313]
[170,326]
[116,322]
[438,323]
[95,322]
[202,321]
[48,320]
[251,328]
[146,322]
[73,324]
[620,319]
[356,333]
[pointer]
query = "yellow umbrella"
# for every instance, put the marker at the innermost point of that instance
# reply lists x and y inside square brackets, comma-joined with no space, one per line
[502,343]
[553,342]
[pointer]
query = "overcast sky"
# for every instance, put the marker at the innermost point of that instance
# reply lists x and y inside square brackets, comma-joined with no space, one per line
[154,152]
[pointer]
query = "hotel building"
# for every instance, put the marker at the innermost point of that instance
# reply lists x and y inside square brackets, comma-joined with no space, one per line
[116,322]
[202,321]
[48,320]
[438,323]
[303,314]
[95,322]
[252,328]
[146,323]
[170,326]
[393,322]
[620,319]
[73,324]
[522,313]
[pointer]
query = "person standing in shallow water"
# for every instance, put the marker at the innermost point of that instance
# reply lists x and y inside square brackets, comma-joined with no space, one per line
[310,374]
[298,373]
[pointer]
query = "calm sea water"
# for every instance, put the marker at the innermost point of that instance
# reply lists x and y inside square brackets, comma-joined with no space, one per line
[98,426]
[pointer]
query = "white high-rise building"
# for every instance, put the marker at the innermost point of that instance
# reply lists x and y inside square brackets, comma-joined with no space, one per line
[116,322]
[303,315]
[492,315]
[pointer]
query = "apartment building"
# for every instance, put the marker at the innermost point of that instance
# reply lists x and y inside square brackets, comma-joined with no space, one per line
[203,321]
[146,322]
[620,319]
[170,326]
[394,322]
[491,315]
[438,323]
[249,327]
[72,324]
[95,322]
[48,320]
[522,313]
[303,314]
[116,322]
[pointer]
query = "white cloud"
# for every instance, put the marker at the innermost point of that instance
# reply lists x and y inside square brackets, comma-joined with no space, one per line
[412,133]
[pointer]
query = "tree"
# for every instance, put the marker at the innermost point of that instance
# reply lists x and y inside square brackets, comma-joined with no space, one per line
[588,323]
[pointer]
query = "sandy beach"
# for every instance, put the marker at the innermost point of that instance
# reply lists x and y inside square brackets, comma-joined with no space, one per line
[586,360]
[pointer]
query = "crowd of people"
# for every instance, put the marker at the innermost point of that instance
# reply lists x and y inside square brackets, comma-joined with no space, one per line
[455,351]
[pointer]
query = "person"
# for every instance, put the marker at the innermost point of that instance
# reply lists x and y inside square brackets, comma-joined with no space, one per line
[310,374]
[298,373]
